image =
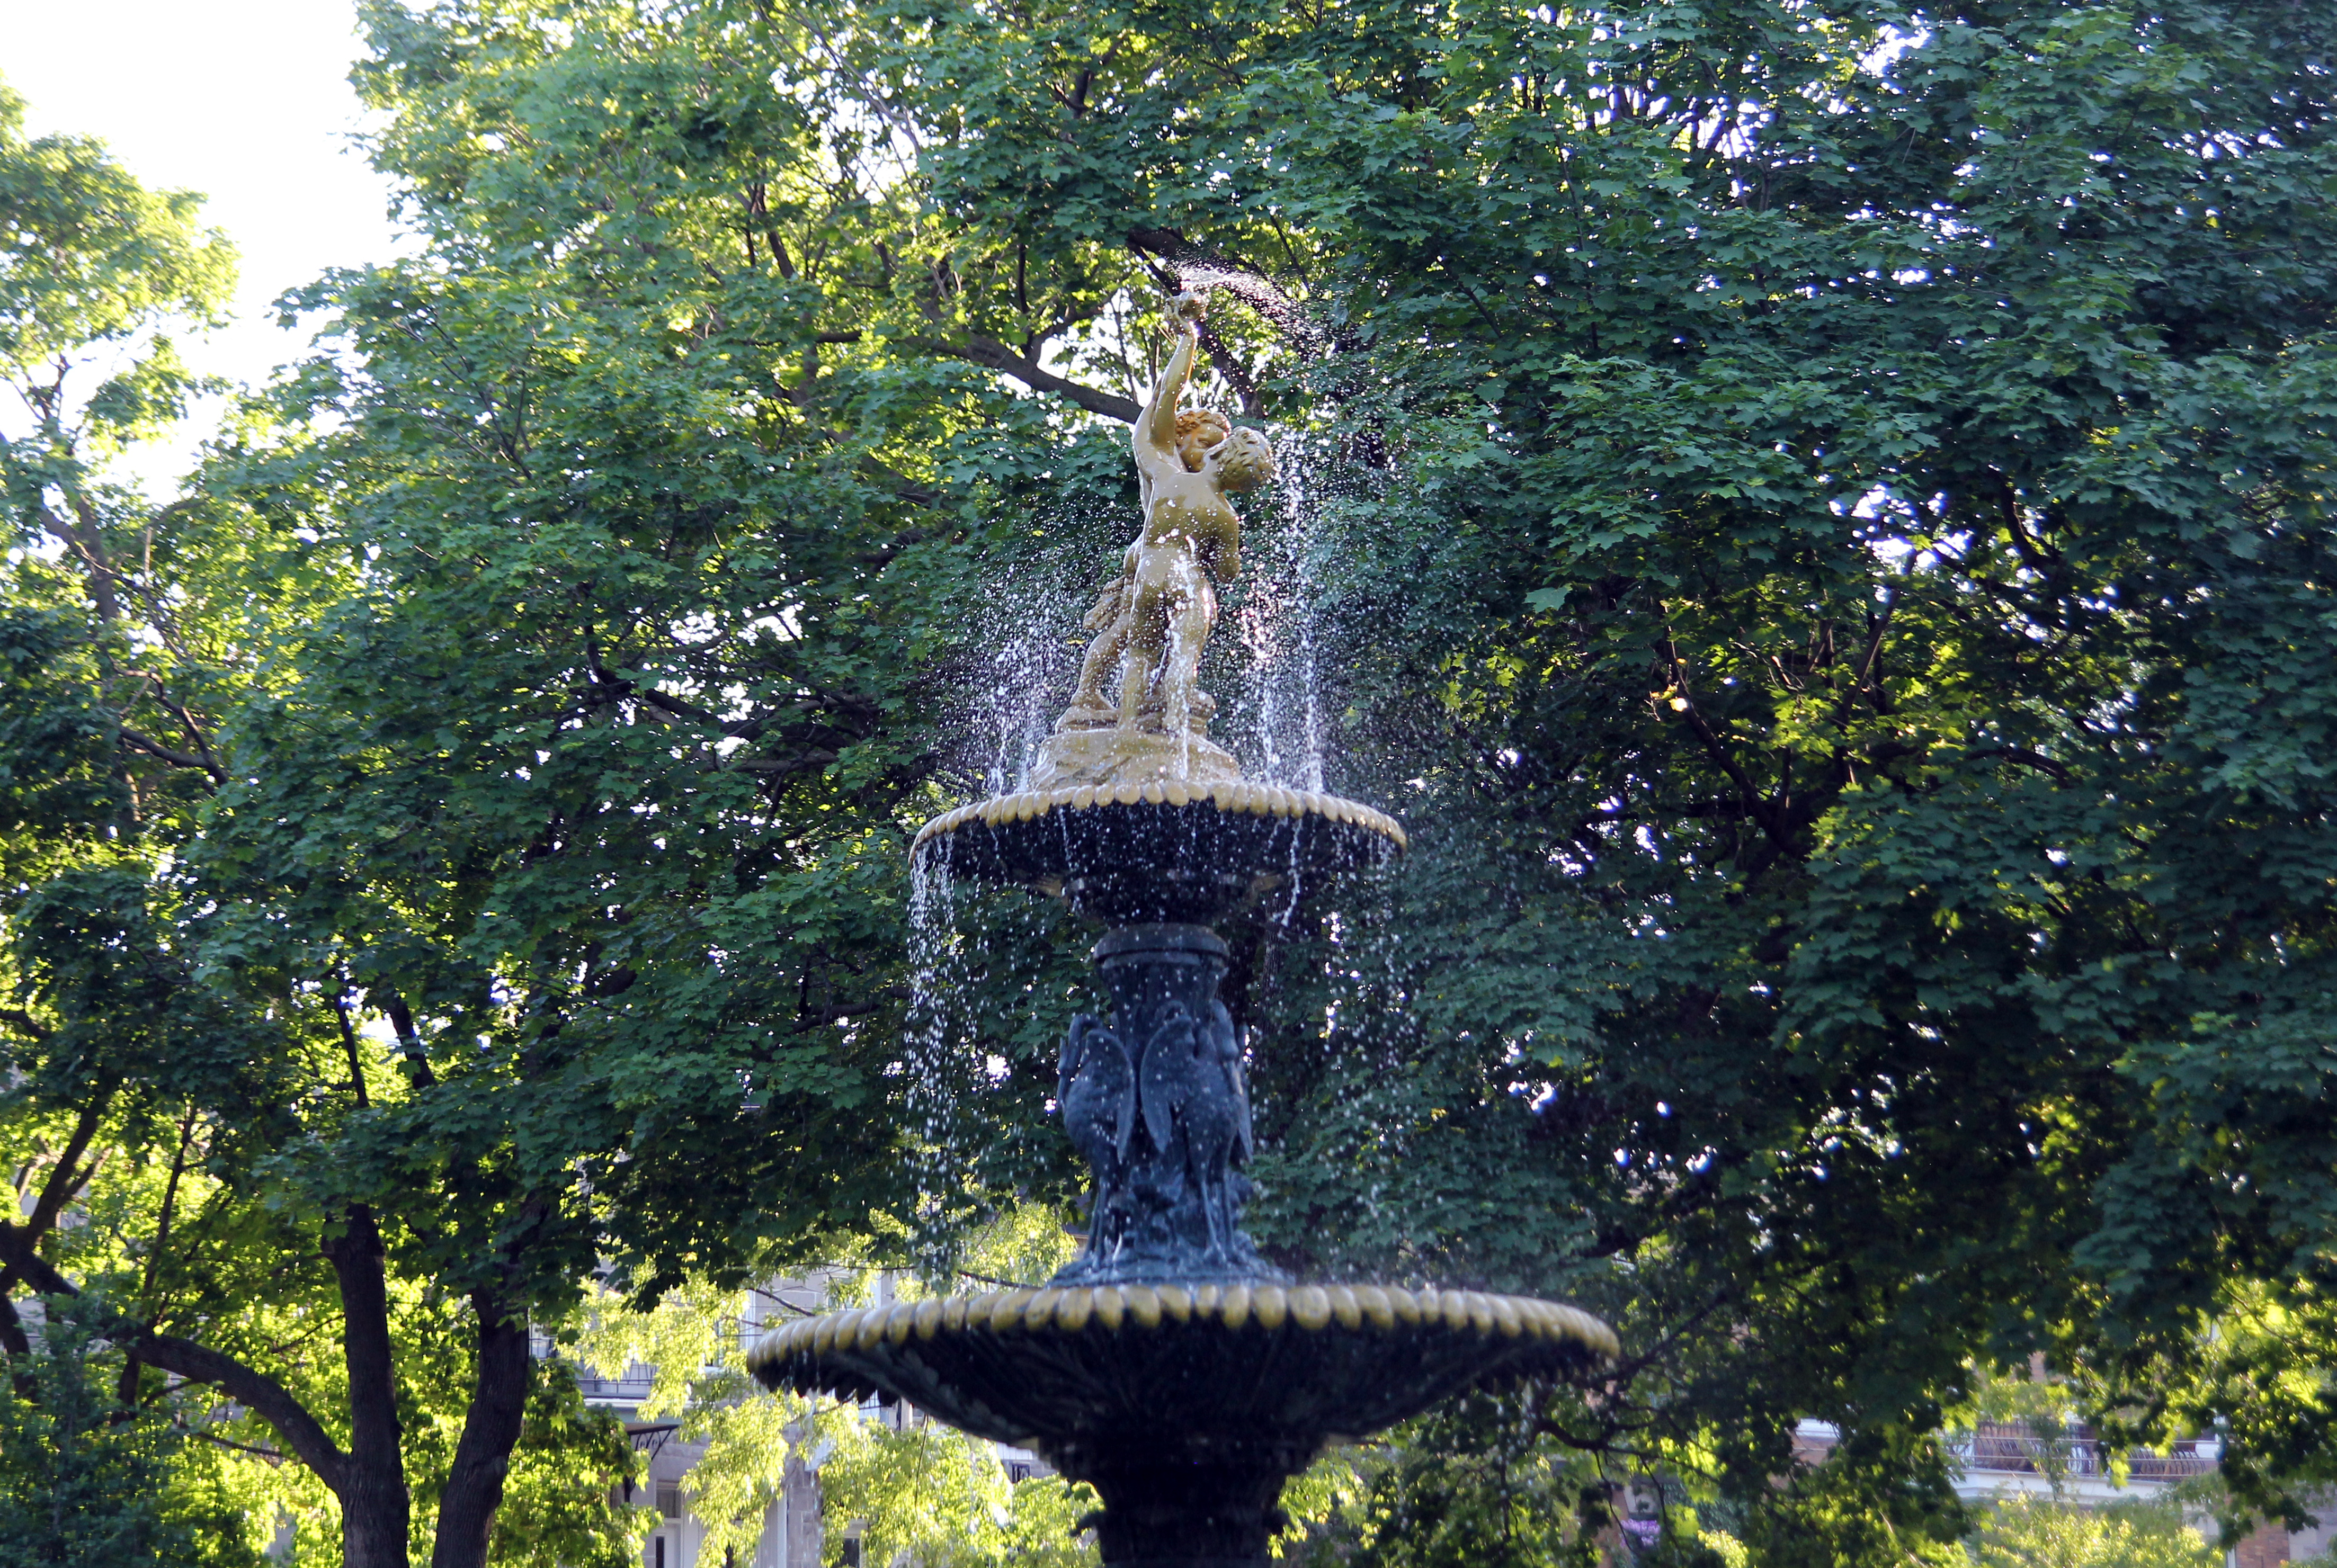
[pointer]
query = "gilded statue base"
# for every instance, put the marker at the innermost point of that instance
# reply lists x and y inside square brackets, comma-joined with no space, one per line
[1073,757]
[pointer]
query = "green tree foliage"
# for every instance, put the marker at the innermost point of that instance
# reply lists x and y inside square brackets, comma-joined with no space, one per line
[180,1093]
[917,1488]
[1474,1483]
[87,1482]
[944,1498]
[2035,1533]
[912,1487]
[1820,527]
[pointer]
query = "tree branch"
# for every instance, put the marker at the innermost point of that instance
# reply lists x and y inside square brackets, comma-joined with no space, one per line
[272,1455]
[155,748]
[17,1343]
[1237,375]
[993,355]
[1718,750]
[64,1178]
[2057,772]
[21,1020]
[131,1362]
[256,1391]
[25,1263]
[1197,265]
[416,1054]
[1860,682]
[88,542]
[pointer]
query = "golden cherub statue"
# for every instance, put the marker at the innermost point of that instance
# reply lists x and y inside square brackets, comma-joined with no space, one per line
[1155,613]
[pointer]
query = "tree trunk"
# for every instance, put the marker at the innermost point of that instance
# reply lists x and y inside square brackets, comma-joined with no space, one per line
[377,1513]
[475,1484]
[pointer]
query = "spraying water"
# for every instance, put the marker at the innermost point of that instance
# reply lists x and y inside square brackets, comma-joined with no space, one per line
[1279,723]
[1272,714]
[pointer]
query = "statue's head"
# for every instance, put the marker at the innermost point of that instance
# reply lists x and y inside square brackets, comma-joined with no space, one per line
[1244,461]
[1198,430]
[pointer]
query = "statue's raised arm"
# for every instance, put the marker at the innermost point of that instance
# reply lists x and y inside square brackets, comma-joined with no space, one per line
[1157,438]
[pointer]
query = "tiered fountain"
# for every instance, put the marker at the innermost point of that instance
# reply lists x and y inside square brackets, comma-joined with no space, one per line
[1170,1365]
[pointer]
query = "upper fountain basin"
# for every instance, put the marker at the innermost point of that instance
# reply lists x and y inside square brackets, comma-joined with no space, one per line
[1162,850]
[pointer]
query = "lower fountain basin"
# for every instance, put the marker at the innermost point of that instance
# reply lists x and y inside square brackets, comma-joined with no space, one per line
[1163,851]
[1080,1370]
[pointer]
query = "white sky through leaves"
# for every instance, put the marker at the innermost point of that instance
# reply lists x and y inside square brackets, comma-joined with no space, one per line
[245,100]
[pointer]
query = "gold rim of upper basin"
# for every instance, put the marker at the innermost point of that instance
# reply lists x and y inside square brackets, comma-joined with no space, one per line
[1238,796]
[1138,1309]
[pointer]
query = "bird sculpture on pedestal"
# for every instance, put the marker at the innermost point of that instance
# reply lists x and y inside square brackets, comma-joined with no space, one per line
[1096,1089]
[1196,1114]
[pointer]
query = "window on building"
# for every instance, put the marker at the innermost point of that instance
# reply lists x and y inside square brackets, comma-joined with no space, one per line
[669,1499]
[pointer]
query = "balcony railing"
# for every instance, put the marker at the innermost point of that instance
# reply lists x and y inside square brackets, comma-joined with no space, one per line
[630,1390]
[2005,1448]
